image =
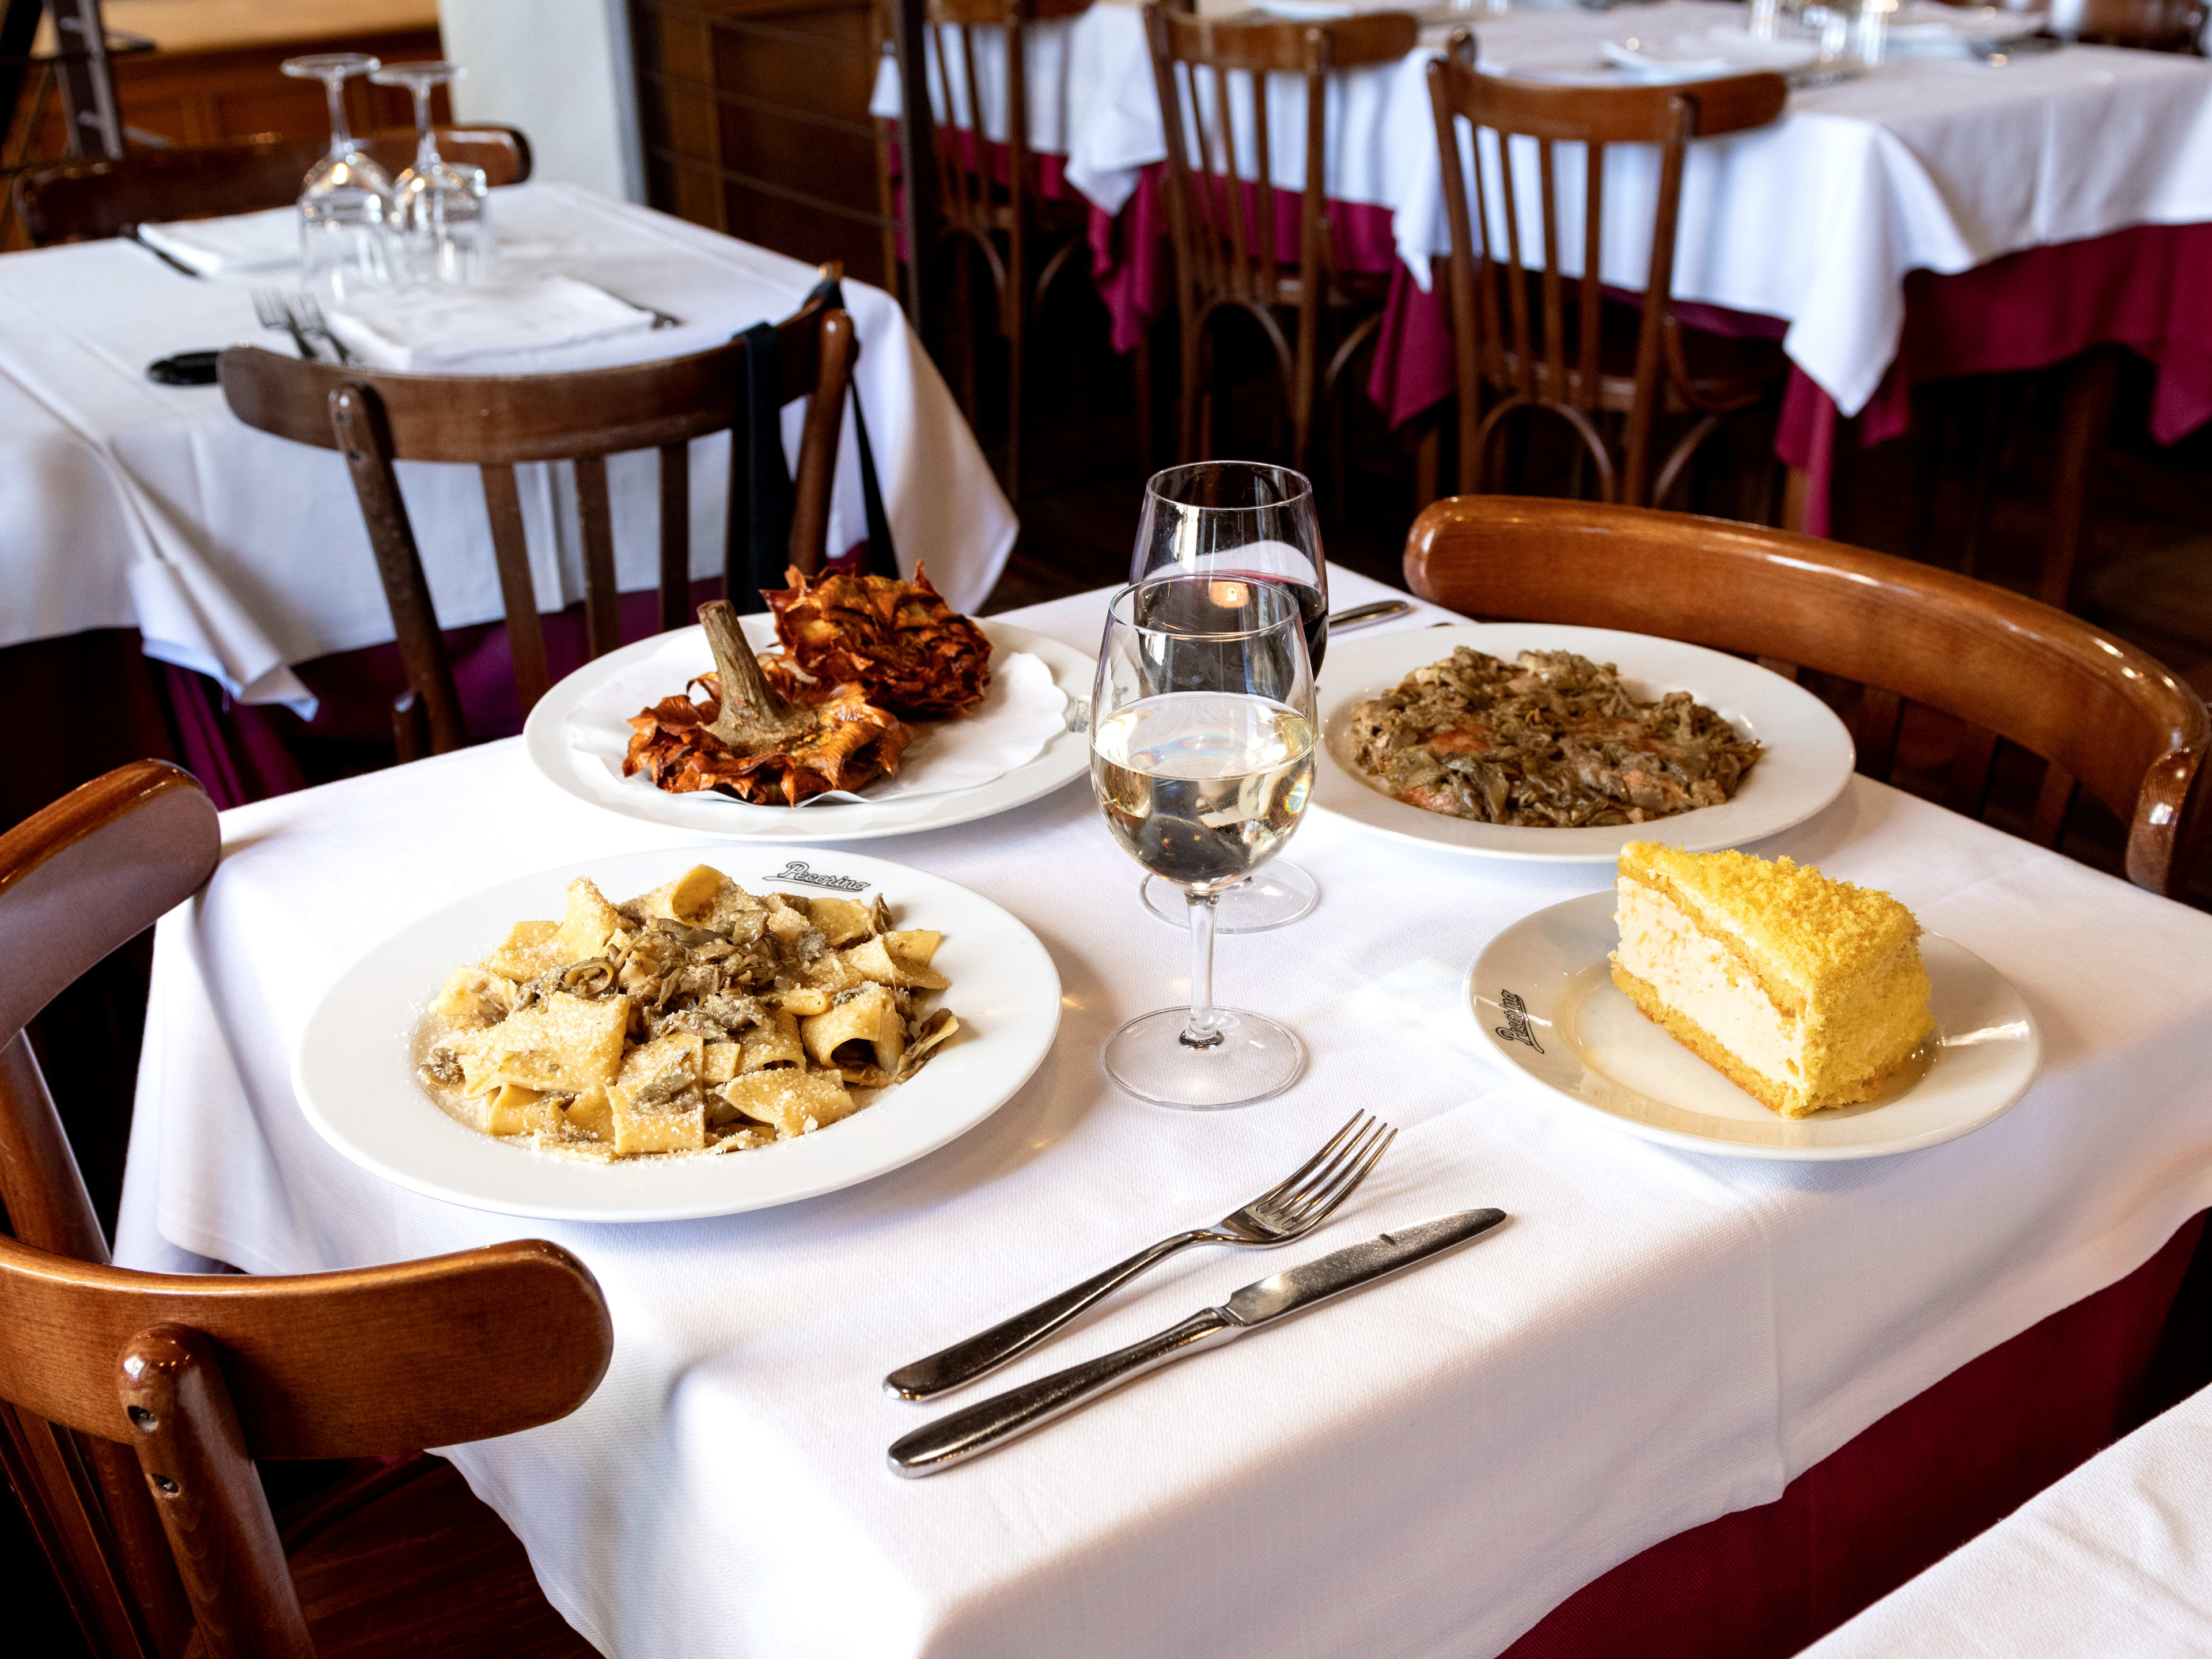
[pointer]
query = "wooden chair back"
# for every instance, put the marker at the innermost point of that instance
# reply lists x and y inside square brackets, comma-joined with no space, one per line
[87,201]
[2101,715]
[1513,343]
[2146,25]
[973,200]
[1221,199]
[494,423]
[131,1404]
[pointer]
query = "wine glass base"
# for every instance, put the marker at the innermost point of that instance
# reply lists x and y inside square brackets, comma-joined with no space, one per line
[1277,896]
[1255,1059]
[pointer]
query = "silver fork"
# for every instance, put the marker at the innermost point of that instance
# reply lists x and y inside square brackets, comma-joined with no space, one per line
[271,312]
[307,310]
[1287,1210]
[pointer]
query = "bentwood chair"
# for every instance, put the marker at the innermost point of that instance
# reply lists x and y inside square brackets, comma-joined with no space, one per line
[2101,715]
[87,201]
[1520,346]
[1230,247]
[496,421]
[992,210]
[133,1406]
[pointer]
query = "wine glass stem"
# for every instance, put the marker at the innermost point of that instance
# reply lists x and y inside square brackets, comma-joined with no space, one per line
[341,135]
[1204,1030]
[426,137]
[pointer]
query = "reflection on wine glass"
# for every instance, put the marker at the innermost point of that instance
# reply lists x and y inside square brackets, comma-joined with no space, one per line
[346,201]
[1256,522]
[441,210]
[1202,757]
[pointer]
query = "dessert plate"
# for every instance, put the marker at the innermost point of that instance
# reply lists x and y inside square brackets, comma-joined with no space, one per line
[1808,760]
[546,738]
[354,1072]
[1546,1002]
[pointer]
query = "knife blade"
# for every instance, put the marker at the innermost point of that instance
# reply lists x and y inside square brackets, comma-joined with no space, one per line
[991,1423]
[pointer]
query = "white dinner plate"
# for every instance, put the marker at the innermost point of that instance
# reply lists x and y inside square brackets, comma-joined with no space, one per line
[1808,760]
[545,738]
[1545,996]
[354,1075]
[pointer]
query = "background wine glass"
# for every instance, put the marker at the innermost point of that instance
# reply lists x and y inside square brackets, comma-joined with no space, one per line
[346,203]
[441,210]
[1254,522]
[1202,757]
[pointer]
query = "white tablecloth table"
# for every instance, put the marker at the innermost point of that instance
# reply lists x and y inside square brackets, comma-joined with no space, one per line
[2116,1559]
[1658,1338]
[1922,164]
[126,504]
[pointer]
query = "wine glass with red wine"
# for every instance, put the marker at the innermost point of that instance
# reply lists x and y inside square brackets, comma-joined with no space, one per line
[1235,522]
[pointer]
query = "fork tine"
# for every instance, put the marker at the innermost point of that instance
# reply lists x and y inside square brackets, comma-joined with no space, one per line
[1327,1176]
[1350,1184]
[1284,1188]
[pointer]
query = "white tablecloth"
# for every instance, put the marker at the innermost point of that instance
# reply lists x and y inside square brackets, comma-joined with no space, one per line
[1923,164]
[2114,1560]
[1658,1338]
[127,504]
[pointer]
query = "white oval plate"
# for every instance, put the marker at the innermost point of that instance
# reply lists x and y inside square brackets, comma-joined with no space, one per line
[1574,1032]
[545,738]
[356,1080]
[1807,762]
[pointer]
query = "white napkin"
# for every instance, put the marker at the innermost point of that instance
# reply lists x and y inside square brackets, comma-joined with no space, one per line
[1022,711]
[422,327]
[244,242]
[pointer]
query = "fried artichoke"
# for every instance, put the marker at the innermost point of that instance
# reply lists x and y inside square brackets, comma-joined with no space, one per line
[760,745]
[899,642]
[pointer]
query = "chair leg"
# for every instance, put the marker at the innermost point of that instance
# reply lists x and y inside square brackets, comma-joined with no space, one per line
[1140,369]
[1014,308]
[963,330]
[2085,413]
[410,727]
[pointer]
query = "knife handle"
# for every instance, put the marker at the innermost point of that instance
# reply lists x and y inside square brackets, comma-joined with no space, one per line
[1010,1338]
[992,1422]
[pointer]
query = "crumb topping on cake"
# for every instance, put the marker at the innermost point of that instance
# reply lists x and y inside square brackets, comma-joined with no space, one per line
[1818,932]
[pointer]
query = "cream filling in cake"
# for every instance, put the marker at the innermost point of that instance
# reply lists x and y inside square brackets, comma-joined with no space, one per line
[1692,971]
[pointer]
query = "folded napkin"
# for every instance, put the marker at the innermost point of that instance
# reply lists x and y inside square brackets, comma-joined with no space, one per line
[1022,711]
[244,242]
[423,328]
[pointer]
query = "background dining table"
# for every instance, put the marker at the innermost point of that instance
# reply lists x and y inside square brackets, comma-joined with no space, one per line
[128,504]
[1657,1339]
[1822,230]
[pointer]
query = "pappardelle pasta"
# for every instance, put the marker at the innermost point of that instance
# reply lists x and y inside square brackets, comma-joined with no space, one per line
[697,1018]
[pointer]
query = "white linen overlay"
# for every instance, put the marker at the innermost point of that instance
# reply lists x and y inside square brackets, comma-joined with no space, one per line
[130,504]
[2116,1558]
[243,244]
[436,329]
[1931,164]
[1021,712]
[1657,1337]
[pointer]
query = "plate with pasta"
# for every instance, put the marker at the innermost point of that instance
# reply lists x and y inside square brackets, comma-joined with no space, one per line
[677,1033]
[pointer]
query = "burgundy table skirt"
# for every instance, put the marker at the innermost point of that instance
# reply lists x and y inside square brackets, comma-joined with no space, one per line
[2148,288]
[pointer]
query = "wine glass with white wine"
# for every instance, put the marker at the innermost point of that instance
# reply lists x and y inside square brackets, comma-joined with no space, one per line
[1256,523]
[1202,758]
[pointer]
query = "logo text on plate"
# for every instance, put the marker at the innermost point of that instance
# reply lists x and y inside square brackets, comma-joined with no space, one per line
[797,870]
[1515,1028]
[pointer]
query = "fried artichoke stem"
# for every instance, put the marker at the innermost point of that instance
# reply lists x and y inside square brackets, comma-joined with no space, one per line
[754,718]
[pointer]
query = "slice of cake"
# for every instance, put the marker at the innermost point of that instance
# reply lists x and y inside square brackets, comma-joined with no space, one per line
[1807,993]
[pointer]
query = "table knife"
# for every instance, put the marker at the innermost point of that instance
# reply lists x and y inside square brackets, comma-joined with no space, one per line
[1360,615]
[130,233]
[991,1423]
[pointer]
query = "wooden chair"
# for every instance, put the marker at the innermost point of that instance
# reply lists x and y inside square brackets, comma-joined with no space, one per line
[2145,25]
[1224,227]
[132,1405]
[987,217]
[495,422]
[87,201]
[1518,345]
[2103,716]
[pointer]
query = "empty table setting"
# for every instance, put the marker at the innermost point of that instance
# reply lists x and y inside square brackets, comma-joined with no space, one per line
[1653,1338]
[237,555]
